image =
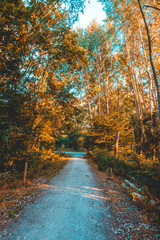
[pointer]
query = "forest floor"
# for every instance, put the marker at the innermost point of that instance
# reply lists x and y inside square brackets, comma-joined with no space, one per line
[14,195]
[79,203]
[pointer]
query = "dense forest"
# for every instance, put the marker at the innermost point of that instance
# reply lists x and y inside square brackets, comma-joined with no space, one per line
[95,89]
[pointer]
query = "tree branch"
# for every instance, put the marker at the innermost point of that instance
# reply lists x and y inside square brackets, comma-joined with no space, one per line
[152,7]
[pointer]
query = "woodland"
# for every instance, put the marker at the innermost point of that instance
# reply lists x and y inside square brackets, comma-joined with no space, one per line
[95,89]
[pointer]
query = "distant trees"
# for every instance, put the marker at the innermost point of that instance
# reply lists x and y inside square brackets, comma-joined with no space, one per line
[105,93]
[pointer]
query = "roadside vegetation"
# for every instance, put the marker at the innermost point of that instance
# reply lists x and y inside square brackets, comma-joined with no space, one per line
[145,173]
[14,195]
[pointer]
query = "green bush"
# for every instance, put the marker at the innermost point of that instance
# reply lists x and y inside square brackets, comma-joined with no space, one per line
[145,172]
[106,160]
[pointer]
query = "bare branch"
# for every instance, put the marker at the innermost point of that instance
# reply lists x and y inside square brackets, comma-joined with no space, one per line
[152,7]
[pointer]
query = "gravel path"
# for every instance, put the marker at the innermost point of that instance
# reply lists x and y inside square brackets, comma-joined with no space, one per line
[76,207]
[73,208]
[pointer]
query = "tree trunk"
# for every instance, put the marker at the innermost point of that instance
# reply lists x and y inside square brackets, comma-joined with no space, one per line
[151,60]
[117,143]
[99,97]
[118,102]
[88,100]
[118,132]
[106,96]
[25,171]
[147,70]
[130,69]
[107,104]
[137,97]
[90,113]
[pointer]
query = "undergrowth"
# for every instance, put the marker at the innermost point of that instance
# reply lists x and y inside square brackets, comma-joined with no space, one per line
[46,169]
[144,172]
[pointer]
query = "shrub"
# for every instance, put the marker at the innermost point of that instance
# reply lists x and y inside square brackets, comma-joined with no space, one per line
[106,160]
[146,172]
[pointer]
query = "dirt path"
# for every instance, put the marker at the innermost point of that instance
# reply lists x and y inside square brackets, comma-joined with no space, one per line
[75,207]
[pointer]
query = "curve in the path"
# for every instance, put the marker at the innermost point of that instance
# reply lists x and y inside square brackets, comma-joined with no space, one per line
[73,208]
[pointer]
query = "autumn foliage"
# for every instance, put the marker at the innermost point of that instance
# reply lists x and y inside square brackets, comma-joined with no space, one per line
[95,88]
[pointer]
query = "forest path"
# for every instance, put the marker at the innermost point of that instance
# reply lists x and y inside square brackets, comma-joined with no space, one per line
[76,207]
[73,208]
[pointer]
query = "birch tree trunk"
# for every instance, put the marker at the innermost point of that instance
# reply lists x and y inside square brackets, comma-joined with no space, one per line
[118,132]
[88,101]
[137,97]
